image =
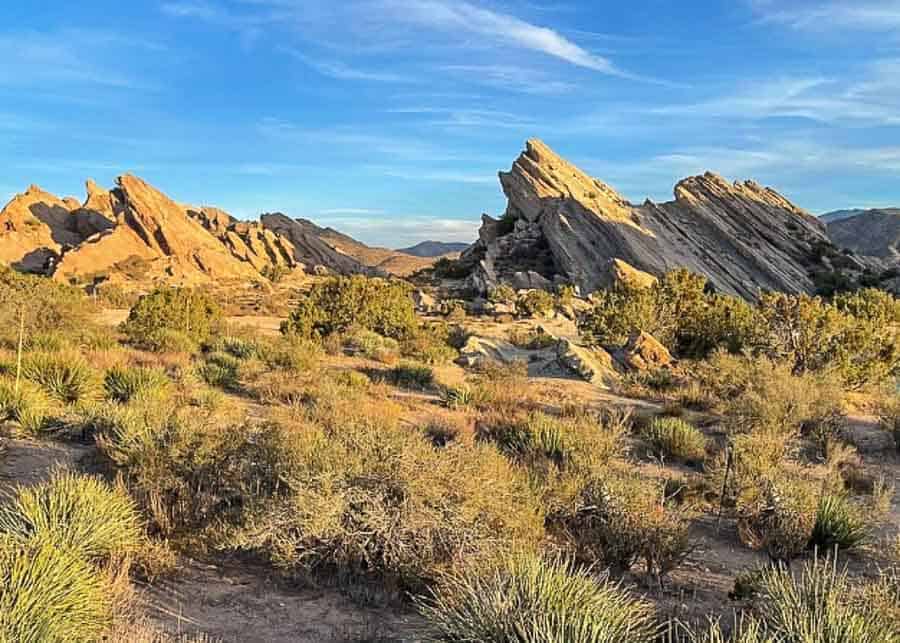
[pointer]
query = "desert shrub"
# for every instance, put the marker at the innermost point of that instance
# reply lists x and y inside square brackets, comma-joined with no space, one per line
[503,294]
[190,466]
[528,599]
[502,387]
[221,369]
[341,303]
[374,501]
[29,405]
[531,339]
[114,296]
[66,377]
[75,513]
[457,397]
[412,375]
[781,519]
[535,303]
[620,519]
[431,345]
[172,319]
[372,345]
[839,523]
[675,437]
[124,383]
[889,414]
[50,595]
[45,305]
[293,354]
[583,442]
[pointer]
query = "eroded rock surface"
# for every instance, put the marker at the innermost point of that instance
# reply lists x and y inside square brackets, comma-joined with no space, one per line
[565,225]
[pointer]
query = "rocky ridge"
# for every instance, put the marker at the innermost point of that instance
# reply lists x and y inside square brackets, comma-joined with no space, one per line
[566,227]
[135,233]
[871,233]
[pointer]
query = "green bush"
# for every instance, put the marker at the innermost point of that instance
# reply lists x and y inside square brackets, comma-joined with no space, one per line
[172,319]
[293,354]
[372,345]
[527,599]
[676,438]
[338,304]
[781,519]
[535,303]
[74,513]
[50,595]
[503,294]
[221,370]
[29,405]
[124,383]
[66,377]
[839,523]
[413,376]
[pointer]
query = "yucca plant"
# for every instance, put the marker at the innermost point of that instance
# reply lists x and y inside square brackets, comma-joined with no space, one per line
[26,404]
[123,383]
[49,595]
[459,396]
[529,599]
[73,512]
[66,377]
[221,369]
[674,437]
[839,523]
[814,607]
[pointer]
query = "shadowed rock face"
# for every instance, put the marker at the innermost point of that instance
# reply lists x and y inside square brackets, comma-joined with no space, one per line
[309,248]
[570,227]
[872,233]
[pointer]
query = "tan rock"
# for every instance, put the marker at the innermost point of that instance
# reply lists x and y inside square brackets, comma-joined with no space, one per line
[644,352]
[624,273]
[594,366]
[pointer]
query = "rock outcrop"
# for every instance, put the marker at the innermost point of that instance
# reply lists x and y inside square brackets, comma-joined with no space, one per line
[567,226]
[36,227]
[310,249]
[136,233]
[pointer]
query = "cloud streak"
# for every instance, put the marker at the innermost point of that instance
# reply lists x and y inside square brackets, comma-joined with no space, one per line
[859,15]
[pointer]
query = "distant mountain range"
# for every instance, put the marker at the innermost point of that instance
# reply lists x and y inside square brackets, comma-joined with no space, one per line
[838,215]
[434,249]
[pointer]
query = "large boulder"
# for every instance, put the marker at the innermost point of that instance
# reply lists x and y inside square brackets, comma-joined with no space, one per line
[594,366]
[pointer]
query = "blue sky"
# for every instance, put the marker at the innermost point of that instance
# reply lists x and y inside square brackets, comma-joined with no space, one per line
[389,119]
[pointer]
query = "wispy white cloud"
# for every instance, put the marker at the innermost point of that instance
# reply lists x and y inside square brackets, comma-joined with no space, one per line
[872,98]
[340,71]
[461,17]
[466,117]
[832,15]
[510,78]
[436,176]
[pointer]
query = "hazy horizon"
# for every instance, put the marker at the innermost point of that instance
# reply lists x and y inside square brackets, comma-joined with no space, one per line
[389,119]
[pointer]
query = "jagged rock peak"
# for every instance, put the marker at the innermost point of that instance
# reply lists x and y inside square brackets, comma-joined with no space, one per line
[540,173]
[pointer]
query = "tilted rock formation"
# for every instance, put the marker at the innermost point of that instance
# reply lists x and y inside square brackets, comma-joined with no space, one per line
[250,242]
[871,233]
[310,249]
[155,236]
[569,227]
[35,228]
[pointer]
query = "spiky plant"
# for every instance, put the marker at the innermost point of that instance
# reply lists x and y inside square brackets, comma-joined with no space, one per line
[26,404]
[123,383]
[813,606]
[674,437]
[49,595]
[66,377]
[839,523]
[529,599]
[73,512]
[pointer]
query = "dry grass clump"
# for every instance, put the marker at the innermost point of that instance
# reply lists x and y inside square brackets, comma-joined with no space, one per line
[583,442]
[373,501]
[676,438]
[190,466]
[780,520]
[528,599]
